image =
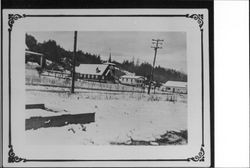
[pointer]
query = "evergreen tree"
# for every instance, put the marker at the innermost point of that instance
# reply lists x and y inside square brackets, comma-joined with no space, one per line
[59,56]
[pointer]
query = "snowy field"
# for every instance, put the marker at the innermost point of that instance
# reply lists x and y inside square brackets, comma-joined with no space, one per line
[120,118]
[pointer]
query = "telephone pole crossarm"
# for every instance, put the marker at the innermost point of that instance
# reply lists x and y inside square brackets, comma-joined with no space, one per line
[155,42]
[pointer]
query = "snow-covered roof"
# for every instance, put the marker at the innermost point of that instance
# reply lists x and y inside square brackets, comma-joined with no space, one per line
[109,63]
[132,77]
[32,63]
[128,73]
[175,84]
[91,69]
[33,53]
[48,61]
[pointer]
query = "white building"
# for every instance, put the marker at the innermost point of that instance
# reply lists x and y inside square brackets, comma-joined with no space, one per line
[98,72]
[132,80]
[174,87]
[33,59]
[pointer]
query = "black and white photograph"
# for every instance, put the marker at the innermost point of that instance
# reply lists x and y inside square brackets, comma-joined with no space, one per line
[99,87]
[116,88]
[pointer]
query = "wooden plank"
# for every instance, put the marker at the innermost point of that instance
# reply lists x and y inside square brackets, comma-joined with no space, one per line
[58,121]
[34,106]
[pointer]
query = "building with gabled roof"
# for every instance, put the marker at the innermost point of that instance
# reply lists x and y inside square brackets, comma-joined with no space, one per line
[33,59]
[132,80]
[97,72]
[174,87]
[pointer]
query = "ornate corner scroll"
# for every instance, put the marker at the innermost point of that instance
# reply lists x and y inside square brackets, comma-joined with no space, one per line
[12,18]
[198,18]
[12,156]
[200,157]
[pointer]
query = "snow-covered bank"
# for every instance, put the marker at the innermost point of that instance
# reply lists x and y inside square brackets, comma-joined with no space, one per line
[121,118]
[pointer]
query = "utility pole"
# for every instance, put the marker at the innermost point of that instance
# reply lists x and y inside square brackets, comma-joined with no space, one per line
[156,43]
[74,62]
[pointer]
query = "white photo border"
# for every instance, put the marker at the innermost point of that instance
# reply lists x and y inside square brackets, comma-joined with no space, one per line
[201,154]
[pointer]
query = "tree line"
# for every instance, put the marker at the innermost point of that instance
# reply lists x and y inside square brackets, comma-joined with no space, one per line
[160,74]
[61,57]
[58,55]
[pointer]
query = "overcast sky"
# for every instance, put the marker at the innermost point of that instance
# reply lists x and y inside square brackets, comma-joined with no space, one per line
[125,45]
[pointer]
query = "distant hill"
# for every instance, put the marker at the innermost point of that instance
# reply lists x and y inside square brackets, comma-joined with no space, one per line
[59,55]
[160,74]
[62,57]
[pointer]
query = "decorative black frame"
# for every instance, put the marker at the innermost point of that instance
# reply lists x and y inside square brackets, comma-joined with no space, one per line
[200,157]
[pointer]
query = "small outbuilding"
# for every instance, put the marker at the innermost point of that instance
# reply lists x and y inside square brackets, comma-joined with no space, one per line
[34,59]
[132,80]
[174,87]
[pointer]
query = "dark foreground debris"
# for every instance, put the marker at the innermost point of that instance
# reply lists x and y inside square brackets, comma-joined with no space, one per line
[169,138]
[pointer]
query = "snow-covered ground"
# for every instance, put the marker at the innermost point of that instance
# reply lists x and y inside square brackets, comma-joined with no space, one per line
[120,118]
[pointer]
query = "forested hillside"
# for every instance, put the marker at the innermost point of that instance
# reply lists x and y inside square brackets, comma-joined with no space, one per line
[160,74]
[62,57]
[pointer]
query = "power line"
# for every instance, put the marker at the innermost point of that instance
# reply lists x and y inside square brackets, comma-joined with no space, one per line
[156,43]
